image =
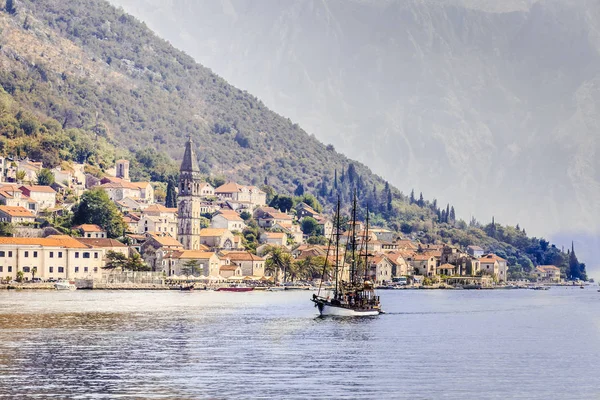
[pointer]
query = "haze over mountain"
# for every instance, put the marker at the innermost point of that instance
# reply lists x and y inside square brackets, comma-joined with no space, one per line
[490,105]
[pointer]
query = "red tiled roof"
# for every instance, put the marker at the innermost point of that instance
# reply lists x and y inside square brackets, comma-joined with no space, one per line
[16,211]
[38,188]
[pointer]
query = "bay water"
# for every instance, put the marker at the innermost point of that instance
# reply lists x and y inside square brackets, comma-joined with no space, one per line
[431,344]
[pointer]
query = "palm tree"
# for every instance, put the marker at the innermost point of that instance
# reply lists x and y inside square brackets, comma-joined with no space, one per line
[33,272]
[277,260]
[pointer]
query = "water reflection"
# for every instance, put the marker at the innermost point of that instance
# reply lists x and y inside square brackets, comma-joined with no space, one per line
[271,345]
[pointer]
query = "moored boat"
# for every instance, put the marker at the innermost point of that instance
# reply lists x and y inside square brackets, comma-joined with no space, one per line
[235,289]
[65,285]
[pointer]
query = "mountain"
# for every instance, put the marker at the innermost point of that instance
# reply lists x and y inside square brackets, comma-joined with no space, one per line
[85,81]
[493,105]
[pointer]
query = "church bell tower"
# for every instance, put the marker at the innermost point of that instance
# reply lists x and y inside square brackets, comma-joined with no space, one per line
[188,200]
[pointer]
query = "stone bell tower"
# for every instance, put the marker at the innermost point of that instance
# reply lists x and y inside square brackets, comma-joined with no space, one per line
[188,200]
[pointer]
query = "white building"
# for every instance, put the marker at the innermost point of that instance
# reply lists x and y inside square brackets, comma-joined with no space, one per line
[57,257]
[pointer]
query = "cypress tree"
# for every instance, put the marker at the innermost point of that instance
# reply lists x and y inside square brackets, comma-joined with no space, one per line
[412,196]
[335,181]
[171,198]
[10,7]
[447,213]
[421,201]
[452,215]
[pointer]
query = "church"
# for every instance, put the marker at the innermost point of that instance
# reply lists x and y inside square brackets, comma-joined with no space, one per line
[189,200]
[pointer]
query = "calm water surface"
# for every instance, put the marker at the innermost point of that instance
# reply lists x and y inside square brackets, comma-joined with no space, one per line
[501,344]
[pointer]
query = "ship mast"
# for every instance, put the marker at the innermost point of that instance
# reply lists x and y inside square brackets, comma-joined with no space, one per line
[337,248]
[353,265]
[367,245]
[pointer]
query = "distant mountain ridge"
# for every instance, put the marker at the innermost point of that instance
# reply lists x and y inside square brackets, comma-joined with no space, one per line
[460,97]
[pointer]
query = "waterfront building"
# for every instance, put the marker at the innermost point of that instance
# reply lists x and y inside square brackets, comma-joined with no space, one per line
[189,200]
[547,273]
[492,264]
[179,262]
[251,264]
[56,257]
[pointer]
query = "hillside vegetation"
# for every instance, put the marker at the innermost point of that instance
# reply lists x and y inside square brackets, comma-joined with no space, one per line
[81,80]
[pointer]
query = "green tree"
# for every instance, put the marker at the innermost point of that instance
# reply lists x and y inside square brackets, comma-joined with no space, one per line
[6,229]
[95,207]
[277,260]
[10,7]
[299,189]
[45,177]
[33,272]
[20,276]
[171,198]
[136,263]
[190,267]
[309,225]
[20,176]
[282,203]
[310,200]
[115,260]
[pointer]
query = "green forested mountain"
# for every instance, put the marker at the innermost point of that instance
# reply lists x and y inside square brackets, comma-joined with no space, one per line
[82,80]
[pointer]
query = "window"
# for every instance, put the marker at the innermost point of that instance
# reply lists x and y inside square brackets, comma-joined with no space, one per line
[1,268]
[95,269]
[51,254]
[51,269]
[9,269]
[76,269]
[86,255]
[35,254]
[60,254]
[2,254]
[61,270]
[26,269]
[10,253]
[96,254]
[26,254]
[89,235]
[85,269]
[76,254]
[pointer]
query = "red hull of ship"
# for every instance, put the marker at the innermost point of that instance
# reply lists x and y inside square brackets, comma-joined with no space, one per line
[235,289]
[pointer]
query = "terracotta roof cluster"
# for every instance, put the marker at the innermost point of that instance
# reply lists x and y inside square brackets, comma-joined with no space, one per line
[89,228]
[491,258]
[50,241]
[230,215]
[274,235]
[159,208]
[16,211]
[37,188]
[242,256]
[101,242]
[547,268]
[166,240]
[192,254]
[212,232]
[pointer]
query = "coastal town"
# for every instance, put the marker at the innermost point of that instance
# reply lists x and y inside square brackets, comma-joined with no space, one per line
[205,238]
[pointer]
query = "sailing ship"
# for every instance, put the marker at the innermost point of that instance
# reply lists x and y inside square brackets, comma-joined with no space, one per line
[355,297]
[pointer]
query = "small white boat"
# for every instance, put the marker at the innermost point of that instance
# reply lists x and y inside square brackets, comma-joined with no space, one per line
[275,289]
[65,285]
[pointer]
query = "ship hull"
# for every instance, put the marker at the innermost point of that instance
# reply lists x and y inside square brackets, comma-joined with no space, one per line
[235,289]
[337,311]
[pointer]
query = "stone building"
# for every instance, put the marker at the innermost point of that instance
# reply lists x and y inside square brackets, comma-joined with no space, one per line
[189,200]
